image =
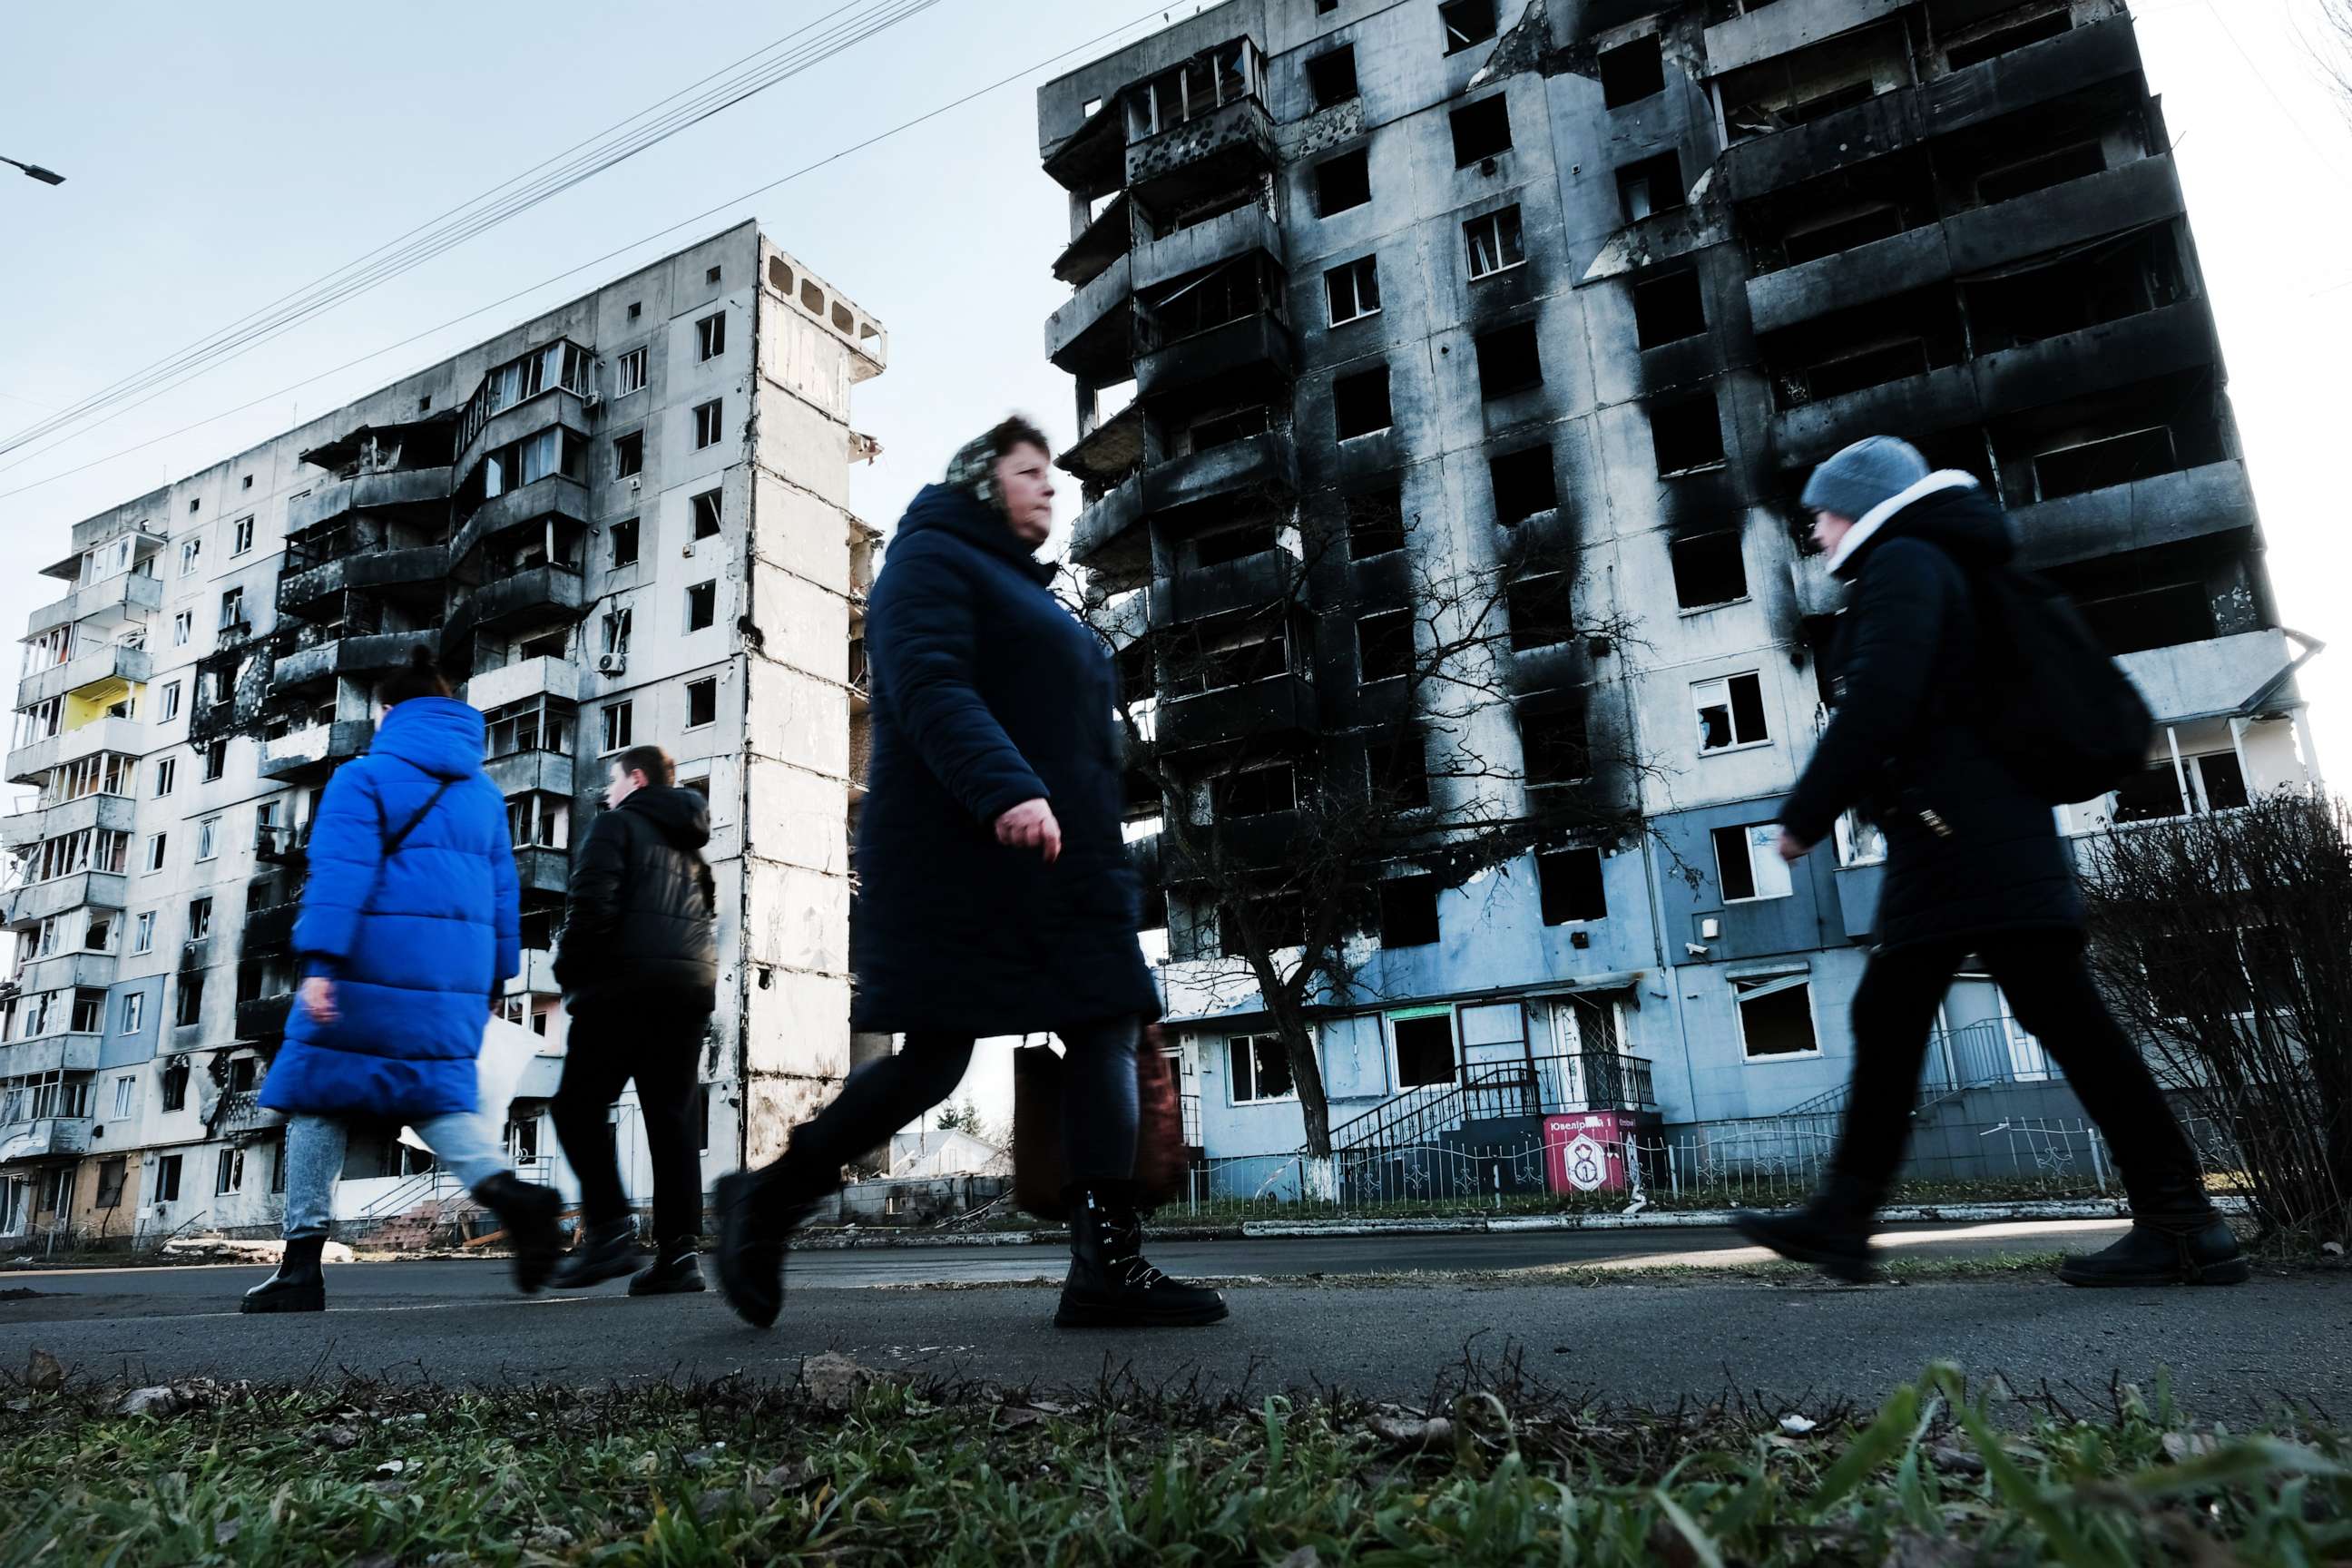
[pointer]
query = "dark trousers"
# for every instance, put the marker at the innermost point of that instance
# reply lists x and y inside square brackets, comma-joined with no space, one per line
[656,1039]
[1098,1109]
[2049,990]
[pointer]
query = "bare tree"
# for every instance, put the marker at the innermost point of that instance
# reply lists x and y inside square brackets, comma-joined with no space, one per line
[1442,796]
[2224,942]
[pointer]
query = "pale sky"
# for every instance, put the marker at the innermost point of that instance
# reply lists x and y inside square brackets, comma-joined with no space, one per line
[218,157]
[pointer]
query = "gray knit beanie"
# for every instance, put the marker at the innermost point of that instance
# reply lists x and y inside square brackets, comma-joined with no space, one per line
[1873,469]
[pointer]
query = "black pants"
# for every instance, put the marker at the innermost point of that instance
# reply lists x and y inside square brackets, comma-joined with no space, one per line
[1098,1109]
[2048,988]
[656,1039]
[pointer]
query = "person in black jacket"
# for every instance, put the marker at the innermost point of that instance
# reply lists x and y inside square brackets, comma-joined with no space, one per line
[639,968]
[994,892]
[1974,864]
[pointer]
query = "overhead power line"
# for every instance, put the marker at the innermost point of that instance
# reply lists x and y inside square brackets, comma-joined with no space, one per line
[831,35]
[730,205]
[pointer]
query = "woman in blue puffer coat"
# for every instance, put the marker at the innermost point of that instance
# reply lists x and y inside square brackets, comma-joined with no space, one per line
[409,926]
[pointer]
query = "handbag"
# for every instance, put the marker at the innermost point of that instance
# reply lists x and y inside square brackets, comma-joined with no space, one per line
[1041,1164]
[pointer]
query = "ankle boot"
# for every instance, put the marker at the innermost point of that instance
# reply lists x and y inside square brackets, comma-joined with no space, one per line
[2177,1238]
[528,1214]
[299,1286]
[604,1251]
[758,1212]
[676,1270]
[1832,1231]
[1111,1285]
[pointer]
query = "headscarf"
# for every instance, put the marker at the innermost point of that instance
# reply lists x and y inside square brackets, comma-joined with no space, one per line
[973,472]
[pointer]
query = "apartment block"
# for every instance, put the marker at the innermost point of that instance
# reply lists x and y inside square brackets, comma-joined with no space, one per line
[623,521]
[1371,296]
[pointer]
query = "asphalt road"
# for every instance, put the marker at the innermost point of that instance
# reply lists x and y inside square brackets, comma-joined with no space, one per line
[2232,1353]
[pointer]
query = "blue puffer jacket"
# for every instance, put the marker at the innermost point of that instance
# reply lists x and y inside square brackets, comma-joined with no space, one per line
[417,945]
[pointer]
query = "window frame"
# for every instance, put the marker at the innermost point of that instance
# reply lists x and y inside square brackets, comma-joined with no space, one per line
[709,589]
[1730,706]
[710,337]
[240,539]
[1353,274]
[630,373]
[1764,867]
[1792,977]
[707,683]
[1232,1086]
[618,718]
[635,535]
[710,423]
[1518,236]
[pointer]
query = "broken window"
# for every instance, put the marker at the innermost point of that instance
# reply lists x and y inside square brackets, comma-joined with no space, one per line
[1568,887]
[630,373]
[706,508]
[707,417]
[1331,76]
[2040,173]
[1354,290]
[1542,610]
[232,611]
[1408,912]
[1257,1070]
[2109,460]
[1278,919]
[1494,243]
[1232,292]
[1375,522]
[625,543]
[1238,650]
[1138,674]
[1748,863]
[240,539]
[1843,230]
[710,336]
[1651,187]
[1359,402]
[1668,308]
[1383,645]
[1776,1014]
[628,454]
[1424,1048]
[188,1005]
[1803,85]
[1685,433]
[216,758]
[1481,131]
[1397,770]
[1632,72]
[620,727]
[701,605]
[1255,791]
[2165,615]
[1730,712]
[1508,361]
[1553,743]
[2072,291]
[2007,35]
[1233,543]
[1524,484]
[1466,22]
[2216,781]
[1342,183]
[1709,570]
[191,552]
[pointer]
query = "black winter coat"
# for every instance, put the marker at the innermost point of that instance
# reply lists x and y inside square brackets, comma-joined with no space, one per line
[642,913]
[987,692]
[1905,742]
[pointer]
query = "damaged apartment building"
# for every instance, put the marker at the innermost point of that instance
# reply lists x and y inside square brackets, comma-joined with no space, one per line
[623,521]
[1566,298]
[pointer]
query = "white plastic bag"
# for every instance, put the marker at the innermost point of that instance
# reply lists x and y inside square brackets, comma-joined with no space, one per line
[507,1049]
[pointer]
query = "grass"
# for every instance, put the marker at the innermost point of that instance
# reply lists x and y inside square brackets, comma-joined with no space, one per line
[1500,1471]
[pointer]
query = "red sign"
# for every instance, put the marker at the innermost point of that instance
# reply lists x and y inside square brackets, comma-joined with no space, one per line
[1585,1153]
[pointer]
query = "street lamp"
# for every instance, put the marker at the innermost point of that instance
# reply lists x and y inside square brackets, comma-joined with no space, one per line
[47,176]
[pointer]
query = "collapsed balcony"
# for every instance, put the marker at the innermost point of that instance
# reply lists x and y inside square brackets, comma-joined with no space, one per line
[1230,681]
[1225,327]
[1199,129]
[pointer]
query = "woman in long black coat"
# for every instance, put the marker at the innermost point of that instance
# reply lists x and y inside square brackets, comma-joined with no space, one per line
[994,892]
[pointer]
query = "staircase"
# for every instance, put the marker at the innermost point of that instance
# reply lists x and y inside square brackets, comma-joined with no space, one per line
[1589,1080]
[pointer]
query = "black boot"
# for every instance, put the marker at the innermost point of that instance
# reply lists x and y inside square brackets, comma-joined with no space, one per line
[298,1286]
[2177,1238]
[676,1270]
[528,1214]
[758,1212]
[1111,1285]
[603,1252]
[1832,1233]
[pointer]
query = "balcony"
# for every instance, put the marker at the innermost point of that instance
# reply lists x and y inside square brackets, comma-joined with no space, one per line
[542,869]
[2192,503]
[1600,1081]
[397,490]
[262,1021]
[312,753]
[1785,27]
[355,658]
[1104,241]
[130,598]
[1255,346]
[557,407]
[536,592]
[114,813]
[1093,336]
[1110,520]
[1255,582]
[557,495]
[538,974]
[1234,715]
[274,844]
[241,1114]
[1225,237]
[69,1052]
[522,679]
[317,594]
[269,929]
[1221,150]
[2220,677]
[38,900]
[78,674]
[1088,158]
[1108,453]
[534,772]
[1261,466]
[48,1138]
[68,971]
[30,764]
[2008,84]
[1241,843]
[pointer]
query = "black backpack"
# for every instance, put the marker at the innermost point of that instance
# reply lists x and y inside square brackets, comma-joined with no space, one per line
[2052,706]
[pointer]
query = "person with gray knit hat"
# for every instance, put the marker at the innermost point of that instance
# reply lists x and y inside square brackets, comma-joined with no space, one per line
[1974,866]
[994,892]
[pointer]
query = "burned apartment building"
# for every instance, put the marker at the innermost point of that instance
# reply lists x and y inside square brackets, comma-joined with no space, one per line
[1563,298]
[623,521]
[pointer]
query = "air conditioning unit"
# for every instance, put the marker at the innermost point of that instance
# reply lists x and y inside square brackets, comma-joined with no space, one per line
[592,400]
[611,663]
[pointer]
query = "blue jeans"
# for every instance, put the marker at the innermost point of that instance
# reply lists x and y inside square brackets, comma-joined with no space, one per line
[461,1144]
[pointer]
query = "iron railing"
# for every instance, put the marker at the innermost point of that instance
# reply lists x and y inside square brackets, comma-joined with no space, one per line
[1531,1085]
